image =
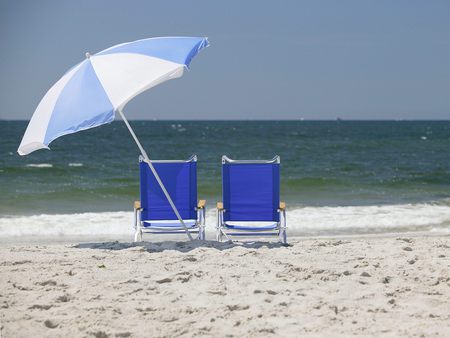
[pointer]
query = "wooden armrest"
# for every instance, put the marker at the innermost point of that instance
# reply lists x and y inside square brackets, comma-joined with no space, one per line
[219,206]
[137,204]
[201,204]
[282,206]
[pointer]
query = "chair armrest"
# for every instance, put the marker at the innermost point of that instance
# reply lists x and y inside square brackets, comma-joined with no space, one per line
[201,204]
[282,205]
[219,206]
[137,205]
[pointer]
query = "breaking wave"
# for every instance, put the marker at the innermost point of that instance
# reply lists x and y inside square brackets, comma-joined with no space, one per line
[303,221]
[39,165]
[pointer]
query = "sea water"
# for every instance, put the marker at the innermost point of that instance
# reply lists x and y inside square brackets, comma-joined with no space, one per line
[337,177]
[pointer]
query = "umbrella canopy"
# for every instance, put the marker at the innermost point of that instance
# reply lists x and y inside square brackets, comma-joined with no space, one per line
[90,93]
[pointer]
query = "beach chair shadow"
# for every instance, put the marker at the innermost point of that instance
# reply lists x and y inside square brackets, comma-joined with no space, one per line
[177,246]
[251,200]
[153,214]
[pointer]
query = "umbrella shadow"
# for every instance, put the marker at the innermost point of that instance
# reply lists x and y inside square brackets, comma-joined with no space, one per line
[178,246]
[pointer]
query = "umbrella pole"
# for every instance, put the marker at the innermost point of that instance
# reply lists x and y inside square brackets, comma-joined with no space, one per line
[158,179]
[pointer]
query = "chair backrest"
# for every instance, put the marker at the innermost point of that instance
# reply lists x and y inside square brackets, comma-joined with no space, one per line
[180,180]
[251,190]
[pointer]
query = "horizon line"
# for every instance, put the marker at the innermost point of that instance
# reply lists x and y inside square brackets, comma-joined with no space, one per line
[265,120]
[269,120]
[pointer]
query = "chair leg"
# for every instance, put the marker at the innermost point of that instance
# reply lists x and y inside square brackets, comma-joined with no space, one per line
[283,233]
[138,235]
[218,227]
[201,224]
[137,225]
[201,233]
[283,236]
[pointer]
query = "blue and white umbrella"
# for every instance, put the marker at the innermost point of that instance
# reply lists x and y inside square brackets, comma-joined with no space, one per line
[90,93]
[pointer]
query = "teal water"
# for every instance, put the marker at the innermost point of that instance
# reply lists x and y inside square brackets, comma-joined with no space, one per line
[335,163]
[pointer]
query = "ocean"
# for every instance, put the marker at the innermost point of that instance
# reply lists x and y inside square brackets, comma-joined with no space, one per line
[336,176]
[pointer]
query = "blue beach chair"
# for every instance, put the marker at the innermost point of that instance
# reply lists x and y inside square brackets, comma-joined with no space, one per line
[251,200]
[153,213]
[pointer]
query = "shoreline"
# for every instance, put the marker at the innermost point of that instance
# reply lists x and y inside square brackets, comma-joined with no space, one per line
[382,284]
[210,237]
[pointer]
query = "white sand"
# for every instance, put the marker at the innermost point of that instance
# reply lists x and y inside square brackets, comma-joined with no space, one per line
[379,285]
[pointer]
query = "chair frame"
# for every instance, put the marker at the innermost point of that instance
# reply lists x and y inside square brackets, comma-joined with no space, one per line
[279,231]
[198,228]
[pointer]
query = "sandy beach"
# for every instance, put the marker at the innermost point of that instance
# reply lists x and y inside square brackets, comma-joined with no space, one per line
[321,124]
[390,285]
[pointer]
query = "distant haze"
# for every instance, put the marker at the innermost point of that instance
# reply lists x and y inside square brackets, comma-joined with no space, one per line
[267,60]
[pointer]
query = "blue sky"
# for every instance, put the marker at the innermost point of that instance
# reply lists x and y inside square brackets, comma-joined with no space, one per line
[267,60]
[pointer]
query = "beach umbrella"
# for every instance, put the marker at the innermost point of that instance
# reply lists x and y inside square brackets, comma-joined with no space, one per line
[92,92]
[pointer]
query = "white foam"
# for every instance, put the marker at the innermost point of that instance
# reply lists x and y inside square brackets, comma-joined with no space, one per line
[404,217]
[103,223]
[75,164]
[307,220]
[39,165]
